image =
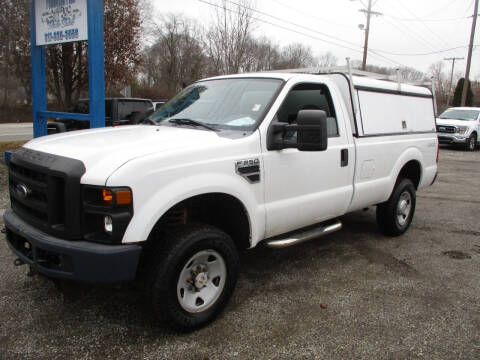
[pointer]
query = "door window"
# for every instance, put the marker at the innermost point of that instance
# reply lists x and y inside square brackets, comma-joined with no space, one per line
[308,97]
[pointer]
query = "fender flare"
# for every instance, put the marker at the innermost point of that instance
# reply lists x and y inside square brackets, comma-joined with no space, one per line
[410,154]
[180,190]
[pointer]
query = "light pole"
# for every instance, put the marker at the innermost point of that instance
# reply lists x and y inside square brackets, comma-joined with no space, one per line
[453,59]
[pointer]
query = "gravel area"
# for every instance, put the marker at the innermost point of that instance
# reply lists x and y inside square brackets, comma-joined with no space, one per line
[410,297]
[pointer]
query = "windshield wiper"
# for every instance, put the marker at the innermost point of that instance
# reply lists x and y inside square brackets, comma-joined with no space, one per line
[184,121]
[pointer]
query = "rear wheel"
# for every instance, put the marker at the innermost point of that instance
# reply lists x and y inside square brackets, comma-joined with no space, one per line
[193,276]
[395,216]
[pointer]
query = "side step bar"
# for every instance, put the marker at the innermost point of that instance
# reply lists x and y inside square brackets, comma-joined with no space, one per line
[304,235]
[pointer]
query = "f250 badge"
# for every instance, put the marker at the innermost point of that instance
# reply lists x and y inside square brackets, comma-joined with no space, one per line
[248,169]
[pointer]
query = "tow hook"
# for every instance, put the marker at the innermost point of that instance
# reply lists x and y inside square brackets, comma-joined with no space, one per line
[18,262]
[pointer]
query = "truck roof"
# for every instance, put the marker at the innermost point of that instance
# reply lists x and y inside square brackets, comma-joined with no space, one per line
[464,108]
[361,81]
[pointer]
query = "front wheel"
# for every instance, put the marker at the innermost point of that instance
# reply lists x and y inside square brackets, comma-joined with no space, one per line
[194,275]
[471,143]
[395,216]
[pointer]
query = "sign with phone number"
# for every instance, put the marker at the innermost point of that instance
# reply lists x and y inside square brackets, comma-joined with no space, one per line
[59,21]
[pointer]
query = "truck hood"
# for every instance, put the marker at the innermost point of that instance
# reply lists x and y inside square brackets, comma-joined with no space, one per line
[453,122]
[104,150]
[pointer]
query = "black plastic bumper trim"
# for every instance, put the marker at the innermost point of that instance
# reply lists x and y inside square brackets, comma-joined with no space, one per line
[87,262]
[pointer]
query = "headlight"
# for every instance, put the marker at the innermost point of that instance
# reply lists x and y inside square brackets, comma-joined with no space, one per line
[107,211]
[462,129]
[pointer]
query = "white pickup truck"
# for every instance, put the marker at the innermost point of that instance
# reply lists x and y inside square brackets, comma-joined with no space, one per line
[230,163]
[460,126]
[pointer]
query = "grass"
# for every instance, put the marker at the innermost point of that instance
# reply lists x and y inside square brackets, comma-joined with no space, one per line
[11,145]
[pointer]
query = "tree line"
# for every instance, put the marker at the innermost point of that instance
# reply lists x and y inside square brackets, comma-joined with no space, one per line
[179,52]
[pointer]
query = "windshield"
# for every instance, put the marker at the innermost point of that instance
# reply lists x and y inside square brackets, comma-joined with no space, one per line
[468,115]
[230,103]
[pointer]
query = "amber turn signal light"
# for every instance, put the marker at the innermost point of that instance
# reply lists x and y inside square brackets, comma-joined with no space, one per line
[107,196]
[124,197]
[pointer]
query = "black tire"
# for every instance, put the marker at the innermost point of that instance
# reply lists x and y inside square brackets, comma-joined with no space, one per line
[392,223]
[169,260]
[471,143]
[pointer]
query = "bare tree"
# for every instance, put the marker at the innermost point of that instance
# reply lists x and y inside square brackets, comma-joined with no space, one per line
[67,73]
[327,60]
[295,56]
[440,79]
[14,40]
[229,37]
[263,55]
[176,58]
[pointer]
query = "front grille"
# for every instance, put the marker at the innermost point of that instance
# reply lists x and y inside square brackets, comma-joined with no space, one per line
[34,202]
[45,192]
[446,129]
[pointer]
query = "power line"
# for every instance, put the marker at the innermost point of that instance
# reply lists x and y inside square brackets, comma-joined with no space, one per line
[450,3]
[426,26]
[408,30]
[313,16]
[290,22]
[310,29]
[425,54]
[425,20]
[381,57]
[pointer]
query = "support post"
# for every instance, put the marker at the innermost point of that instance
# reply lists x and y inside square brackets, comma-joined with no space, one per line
[96,63]
[356,110]
[39,79]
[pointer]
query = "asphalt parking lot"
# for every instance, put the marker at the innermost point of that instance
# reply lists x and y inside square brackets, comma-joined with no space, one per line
[412,297]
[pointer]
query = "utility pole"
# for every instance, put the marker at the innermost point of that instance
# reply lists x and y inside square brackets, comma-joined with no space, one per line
[453,59]
[369,13]
[469,58]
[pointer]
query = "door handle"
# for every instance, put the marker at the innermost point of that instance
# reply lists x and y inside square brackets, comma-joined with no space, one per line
[344,157]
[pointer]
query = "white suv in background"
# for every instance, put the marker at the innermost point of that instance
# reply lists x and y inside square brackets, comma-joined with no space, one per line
[460,125]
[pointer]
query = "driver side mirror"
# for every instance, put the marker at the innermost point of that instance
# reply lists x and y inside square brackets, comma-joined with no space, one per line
[311,128]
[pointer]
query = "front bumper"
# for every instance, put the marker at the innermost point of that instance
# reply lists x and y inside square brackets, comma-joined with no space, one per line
[451,138]
[70,260]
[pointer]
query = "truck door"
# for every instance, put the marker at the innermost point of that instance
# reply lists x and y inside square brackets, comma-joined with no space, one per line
[303,188]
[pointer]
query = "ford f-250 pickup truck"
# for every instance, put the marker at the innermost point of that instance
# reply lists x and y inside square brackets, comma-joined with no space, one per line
[229,163]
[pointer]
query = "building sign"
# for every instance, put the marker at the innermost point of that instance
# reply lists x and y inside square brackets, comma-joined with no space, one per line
[59,21]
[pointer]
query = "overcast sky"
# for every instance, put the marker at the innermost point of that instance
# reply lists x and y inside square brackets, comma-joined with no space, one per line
[410,27]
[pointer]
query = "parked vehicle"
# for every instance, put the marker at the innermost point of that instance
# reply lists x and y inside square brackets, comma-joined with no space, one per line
[460,126]
[231,162]
[158,103]
[118,111]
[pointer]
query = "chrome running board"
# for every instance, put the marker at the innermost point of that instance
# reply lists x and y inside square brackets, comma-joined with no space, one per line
[303,235]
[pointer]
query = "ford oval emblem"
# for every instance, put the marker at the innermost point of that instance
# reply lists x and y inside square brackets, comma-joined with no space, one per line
[22,191]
